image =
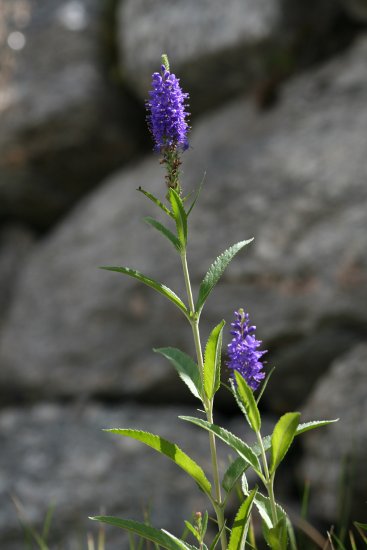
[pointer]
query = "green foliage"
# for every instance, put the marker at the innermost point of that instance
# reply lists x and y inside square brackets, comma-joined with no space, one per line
[248,401]
[172,451]
[215,272]
[186,368]
[239,466]
[212,361]
[180,216]
[282,438]
[159,287]
[164,231]
[305,427]
[240,525]
[157,202]
[146,531]
[196,196]
[245,452]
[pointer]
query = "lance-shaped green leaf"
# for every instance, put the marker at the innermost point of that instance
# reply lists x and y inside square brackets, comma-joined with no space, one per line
[159,287]
[307,426]
[282,437]
[216,271]
[166,232]
[186,368]
[156,201]
[263,506]
[277,536]
[248,401]
[230,439]
[239,530]
[172,451]
[239,466]
[146,531]
[212,361]
[197,195]
[179,215]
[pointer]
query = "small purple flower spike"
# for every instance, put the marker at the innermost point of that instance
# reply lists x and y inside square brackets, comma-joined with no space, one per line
[243,356]
[167,115]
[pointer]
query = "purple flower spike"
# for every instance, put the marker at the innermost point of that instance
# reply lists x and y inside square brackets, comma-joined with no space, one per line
[166,112]
[243,356]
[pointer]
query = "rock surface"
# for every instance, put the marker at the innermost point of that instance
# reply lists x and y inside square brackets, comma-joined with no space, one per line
[57,107]
[209,41]
[58,455]
[294,178]
[339,451]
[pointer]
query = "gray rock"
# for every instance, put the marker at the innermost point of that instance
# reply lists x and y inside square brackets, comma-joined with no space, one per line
[57,108]
[293,178]
[339,451]
[15,243]
[220,49]
[59,456]
[207,42]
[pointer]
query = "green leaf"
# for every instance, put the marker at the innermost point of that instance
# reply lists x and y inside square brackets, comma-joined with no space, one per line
[179,215]
[264,384]
[246,395]
[197,195]
[216,271]
[276,536]
[193,530]
[282,437]
[312,425]
[172,451]
[212,361]
[156,201]
[166,232]
[146,531]
[239,466]
[230,439]
[239,530]
[263,506]
[159,287]
[186,368]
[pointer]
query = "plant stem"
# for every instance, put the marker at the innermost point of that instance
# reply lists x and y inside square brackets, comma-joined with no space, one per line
[269,480]
[208,404]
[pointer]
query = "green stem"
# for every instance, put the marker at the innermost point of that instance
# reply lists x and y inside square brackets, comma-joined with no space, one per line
[208,404]
[269,480]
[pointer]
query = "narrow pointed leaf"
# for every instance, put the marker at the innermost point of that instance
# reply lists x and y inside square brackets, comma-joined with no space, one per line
[172,451]
[212,361]
[277,536]
[246,395]
[156,201]
[159,287]
[215,272]
[166,232]
[263,506]
[230,439]
[239,466]
[146,531]
[305,427]
[197,195]
[282,437]
[185,544]
[239,530]
[185,367]
[180,216]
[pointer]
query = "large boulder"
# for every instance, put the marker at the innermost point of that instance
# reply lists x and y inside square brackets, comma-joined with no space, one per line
[58,456]
[222,48]
[335,458]
[294,178]
[63,124]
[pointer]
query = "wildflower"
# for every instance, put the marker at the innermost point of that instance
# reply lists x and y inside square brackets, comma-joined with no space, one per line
[244,357]
[166,111]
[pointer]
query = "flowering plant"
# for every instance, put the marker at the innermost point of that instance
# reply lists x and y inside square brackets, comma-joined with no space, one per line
[168,123]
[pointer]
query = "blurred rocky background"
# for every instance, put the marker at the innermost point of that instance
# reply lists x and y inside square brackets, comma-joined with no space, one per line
[278,100]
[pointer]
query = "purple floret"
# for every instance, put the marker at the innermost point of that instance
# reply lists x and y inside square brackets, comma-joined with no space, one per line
[243,354]
[167,115]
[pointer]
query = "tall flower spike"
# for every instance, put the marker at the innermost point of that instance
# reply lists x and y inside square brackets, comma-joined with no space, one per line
[243,355]
[167,119]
